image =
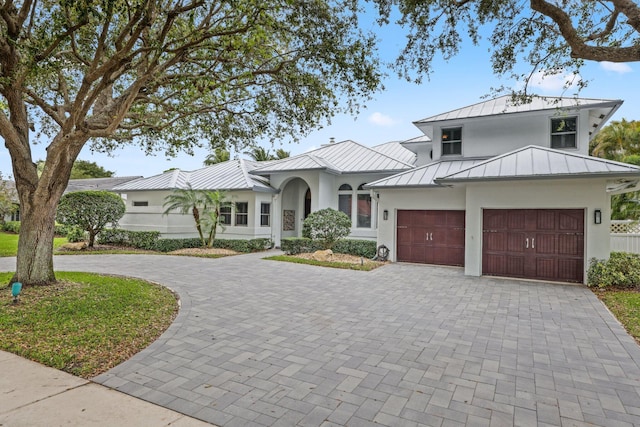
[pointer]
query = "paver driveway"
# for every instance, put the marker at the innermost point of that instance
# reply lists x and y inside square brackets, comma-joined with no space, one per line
[261,342]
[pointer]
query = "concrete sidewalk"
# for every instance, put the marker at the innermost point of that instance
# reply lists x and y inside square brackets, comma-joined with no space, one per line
[34,395]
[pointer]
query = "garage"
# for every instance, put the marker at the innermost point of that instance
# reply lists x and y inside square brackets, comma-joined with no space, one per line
[544,244]
[431,236]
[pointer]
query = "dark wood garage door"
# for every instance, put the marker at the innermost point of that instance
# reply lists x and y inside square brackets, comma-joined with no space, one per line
[431,237]
[546,244]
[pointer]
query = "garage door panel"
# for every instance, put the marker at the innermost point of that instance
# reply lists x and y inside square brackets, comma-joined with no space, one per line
[541,244]
[431,237]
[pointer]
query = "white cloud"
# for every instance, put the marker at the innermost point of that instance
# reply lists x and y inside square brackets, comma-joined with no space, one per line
[615,67]
[380,119]
[555,82]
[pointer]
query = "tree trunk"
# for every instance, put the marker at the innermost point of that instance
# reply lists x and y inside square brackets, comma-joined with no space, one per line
[35,246]
[92,237]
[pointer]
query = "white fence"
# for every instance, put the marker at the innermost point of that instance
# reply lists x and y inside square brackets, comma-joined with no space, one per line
[625,236]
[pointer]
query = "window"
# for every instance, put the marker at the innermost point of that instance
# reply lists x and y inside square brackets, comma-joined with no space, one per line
[242,213]
[137,203]
[563,132]
[364,208]
[265,214]
[451,141]
[345,197]
[225,214]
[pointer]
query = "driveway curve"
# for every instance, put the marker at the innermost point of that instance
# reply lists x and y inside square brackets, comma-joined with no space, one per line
[260,342]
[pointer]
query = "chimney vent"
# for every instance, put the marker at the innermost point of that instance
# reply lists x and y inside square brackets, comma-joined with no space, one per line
[332,140]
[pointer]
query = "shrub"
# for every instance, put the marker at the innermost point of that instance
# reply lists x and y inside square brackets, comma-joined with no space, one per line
[90,210]
[297,245]
[12,226]
[61,230]
[135,239]
[363,248]
[170,245]
[113,236]
[622,270]
[75,234]
[328,226]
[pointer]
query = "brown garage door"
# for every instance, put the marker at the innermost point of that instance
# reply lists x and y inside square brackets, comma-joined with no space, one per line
[546,244]
[431,237]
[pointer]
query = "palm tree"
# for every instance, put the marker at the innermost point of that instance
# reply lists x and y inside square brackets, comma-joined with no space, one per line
[259,154]
[282,154]
[617,140]
[218,156]
[214,201]
[187,200]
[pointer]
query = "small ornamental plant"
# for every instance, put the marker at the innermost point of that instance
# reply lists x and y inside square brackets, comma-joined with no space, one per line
[327,226]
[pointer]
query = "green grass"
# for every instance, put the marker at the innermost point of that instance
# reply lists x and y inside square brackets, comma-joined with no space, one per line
[332,264]
[86,323]
[625,305]
[9,244]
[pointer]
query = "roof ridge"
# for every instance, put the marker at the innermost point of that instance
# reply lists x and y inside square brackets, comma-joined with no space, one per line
[379,153]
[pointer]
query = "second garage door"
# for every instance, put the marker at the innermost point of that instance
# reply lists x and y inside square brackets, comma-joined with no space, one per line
[431,237]
[545,244]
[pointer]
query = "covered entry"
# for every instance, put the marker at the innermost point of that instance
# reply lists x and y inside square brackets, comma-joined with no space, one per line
[431,236]
[546,244]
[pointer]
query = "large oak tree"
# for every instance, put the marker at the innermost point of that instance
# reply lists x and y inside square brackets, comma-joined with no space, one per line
[165,74]
[551,36]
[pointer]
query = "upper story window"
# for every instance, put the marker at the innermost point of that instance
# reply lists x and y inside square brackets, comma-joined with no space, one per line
[345,196]
[564,132]
[452,141]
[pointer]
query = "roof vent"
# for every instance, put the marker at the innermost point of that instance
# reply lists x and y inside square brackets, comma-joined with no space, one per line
[332,140]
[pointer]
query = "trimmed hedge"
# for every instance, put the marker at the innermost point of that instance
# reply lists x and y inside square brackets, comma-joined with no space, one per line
[363,248]
[151,240]
[622,269]
[11,227]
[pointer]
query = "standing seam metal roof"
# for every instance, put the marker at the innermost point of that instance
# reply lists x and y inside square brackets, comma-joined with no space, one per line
[424,176]
[535,162]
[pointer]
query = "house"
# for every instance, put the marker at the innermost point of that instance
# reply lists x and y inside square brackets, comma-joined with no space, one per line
[509,190]
[272,199]
[498,188]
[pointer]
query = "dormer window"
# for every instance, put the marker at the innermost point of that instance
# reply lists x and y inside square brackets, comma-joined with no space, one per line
[452,141]
[564,132]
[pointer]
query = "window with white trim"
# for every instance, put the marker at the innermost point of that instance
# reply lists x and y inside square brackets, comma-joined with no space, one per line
[564,132]
[242,214]
[364,208]
[345,197]
[265,214]
[452,141]
[225,215]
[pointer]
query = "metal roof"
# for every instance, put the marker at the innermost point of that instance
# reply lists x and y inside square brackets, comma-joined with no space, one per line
[107,184]
[338,158]
[396,150]
[424,176]
[229,175]
[535,162]
[506,105]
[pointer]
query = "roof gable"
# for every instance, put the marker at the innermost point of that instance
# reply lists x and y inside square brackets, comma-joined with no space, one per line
[535,162]
[342,157]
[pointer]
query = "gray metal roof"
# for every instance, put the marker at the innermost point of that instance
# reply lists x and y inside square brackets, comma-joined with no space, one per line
[338,158]
[535,162]
[395,150]
[424,176]
[107,184]
[506,105]
[228,176]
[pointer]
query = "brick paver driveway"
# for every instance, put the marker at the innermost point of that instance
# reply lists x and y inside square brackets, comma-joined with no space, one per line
[261,342]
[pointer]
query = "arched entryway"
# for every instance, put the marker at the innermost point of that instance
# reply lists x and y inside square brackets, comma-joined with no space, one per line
[295,205]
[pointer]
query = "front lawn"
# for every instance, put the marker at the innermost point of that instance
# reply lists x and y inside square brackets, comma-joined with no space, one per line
[86,323]
[9,244]
[625,306]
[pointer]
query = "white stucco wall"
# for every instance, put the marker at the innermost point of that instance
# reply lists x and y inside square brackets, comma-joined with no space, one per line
[177,225]
[588,194]
[492,136]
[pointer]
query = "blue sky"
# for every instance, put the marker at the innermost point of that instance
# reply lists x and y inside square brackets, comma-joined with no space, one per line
[462,81]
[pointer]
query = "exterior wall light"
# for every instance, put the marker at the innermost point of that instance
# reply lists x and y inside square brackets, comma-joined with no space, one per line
[597,216]
[385,214]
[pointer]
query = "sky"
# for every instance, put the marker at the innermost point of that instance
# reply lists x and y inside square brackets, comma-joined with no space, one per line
[389,116]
